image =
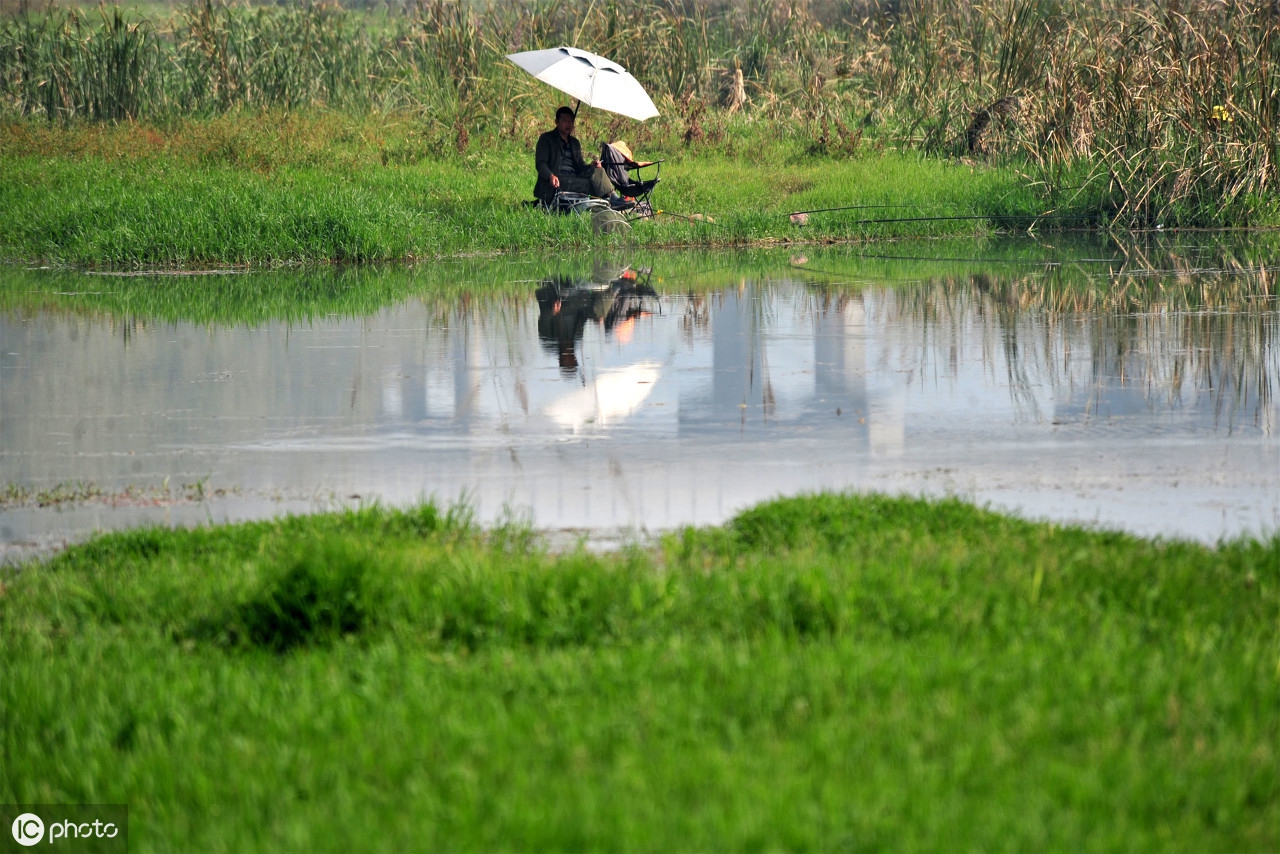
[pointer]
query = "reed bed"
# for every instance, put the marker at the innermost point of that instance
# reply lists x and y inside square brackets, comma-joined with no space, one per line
[1157,114]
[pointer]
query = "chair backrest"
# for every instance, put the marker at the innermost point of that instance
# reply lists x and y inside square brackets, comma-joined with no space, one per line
[615,166]
[618,161]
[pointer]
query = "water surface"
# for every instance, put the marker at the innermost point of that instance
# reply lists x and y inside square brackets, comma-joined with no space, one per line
[1090,383]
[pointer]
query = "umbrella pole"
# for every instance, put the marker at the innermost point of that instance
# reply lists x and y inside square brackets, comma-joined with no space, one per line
[575,109]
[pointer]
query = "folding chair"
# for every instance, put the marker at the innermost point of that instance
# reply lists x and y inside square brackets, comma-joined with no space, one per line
[618,164]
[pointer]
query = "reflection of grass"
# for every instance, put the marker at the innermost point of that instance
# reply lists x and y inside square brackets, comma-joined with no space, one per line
[1048,273]
[1220,288]
[14,495]
[1193,313]
[823,672]
[246,298]
[17,495]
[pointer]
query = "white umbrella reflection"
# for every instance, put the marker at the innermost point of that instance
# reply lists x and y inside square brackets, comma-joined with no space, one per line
[614,395]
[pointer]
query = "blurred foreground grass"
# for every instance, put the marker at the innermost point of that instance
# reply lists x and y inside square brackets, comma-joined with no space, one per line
[848,672]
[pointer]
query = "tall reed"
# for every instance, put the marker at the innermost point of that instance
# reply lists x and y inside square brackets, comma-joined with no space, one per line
[1155,113]
[67,65]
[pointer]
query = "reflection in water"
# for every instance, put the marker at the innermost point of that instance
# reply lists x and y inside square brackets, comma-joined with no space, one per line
[1142,401]
[614,299]
[566,304]
[1190,347]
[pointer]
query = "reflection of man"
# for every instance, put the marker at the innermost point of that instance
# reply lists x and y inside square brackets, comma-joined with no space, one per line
[563,312]
[558,159]
[565,306]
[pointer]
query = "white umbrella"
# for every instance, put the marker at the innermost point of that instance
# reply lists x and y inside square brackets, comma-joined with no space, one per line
[593,80]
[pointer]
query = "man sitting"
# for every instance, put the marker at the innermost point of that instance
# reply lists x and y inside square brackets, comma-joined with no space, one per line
[558,159]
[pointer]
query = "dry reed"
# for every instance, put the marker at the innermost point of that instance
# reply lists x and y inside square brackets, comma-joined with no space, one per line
[1150,113]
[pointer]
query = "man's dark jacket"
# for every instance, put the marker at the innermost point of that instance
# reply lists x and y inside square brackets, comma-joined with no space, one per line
[546,158]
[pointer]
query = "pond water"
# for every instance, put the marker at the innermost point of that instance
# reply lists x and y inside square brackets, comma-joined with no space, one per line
[1120,386]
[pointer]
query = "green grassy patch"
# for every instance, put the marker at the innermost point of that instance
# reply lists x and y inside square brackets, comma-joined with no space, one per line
[823,672]
[271,190]
[1123,112]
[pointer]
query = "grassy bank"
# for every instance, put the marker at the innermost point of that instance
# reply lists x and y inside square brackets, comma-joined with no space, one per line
[823,672]
[1163,114]
[279,189]
[139,138]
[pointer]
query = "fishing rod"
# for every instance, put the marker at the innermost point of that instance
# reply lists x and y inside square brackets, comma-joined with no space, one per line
[855,208]
[801,218]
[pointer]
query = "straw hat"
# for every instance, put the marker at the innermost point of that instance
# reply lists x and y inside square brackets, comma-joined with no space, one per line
[624,150]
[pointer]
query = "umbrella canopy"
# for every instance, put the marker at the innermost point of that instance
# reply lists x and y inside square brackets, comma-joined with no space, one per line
[593,80]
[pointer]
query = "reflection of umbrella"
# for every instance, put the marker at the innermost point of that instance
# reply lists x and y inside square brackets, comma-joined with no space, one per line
[616,393]
[593,80]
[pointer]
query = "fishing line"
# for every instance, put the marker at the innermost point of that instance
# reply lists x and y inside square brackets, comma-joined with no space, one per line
[1197,271]
[855,208]
[700,273]
[1145,272]
[1032,217]
[702,218]
[1027,262]
[948,217]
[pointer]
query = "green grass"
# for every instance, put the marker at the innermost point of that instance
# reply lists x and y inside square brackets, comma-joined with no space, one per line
[1152,115]
[835,672]
[270,190]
